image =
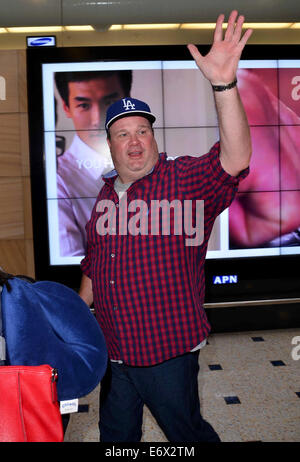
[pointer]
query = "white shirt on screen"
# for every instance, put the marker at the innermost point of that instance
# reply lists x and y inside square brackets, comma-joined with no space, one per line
[79,180]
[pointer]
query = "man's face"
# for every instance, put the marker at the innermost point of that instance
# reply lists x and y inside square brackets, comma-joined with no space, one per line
[88,102]
[133,147]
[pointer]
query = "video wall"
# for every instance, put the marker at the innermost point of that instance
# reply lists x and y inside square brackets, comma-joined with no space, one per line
[263,220]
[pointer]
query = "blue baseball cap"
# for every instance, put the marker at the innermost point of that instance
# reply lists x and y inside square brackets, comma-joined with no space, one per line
[127,107]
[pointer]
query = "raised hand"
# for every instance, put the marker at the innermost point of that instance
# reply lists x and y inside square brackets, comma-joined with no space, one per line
[220,64]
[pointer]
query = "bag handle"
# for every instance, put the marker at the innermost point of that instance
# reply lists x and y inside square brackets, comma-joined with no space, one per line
[5,277]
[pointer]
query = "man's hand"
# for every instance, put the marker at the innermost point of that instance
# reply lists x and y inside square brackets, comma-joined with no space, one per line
[219,66]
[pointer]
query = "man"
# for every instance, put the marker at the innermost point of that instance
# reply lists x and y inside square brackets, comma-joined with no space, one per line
[148,287]
[85,98]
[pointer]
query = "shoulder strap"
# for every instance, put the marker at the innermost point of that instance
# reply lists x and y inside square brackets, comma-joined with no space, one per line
[2,340]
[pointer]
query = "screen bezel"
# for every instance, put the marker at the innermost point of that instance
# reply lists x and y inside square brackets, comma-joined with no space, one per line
[260,274]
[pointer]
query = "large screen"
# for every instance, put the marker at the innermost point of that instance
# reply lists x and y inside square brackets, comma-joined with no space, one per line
[69,92]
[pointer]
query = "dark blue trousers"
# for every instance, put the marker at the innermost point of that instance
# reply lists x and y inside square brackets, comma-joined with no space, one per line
[169,390]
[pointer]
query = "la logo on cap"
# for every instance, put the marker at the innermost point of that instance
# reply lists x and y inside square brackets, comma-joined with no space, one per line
[128,105]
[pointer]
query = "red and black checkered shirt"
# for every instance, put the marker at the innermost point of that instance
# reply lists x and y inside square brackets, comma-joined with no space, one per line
[148,288]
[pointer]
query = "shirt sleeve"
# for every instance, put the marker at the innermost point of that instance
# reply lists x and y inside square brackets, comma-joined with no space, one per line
[85,265]
[205,179]
[86,262]
[217,170]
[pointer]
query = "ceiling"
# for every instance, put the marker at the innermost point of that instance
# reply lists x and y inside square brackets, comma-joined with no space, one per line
[102,14]
[66,12]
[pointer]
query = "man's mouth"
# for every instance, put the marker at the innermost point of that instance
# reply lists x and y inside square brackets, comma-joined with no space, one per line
[135,154]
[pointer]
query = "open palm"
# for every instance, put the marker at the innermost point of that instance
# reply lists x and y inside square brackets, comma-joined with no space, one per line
[220,64]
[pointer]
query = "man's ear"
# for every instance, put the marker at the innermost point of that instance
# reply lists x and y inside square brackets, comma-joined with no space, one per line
[66,109]
[108,142]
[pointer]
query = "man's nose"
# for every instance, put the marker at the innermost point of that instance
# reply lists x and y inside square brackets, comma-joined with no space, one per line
[134,139]
[96,119]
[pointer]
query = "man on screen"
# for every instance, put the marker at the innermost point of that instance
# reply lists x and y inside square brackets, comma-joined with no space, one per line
[85,97]
[148,290]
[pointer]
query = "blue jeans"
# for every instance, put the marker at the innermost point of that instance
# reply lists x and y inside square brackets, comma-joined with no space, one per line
[169,390]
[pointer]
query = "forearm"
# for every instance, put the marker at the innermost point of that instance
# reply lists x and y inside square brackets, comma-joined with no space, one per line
[219,66]
[86,291]
[235,140]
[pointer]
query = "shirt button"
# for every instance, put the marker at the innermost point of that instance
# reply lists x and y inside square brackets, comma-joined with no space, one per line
[112,282]
[112,255]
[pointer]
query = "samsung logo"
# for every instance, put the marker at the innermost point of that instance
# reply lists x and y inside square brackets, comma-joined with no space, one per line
[40,41]
[2,88]
[226,279]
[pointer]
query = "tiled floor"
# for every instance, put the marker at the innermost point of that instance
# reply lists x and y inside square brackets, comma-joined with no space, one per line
[249,385]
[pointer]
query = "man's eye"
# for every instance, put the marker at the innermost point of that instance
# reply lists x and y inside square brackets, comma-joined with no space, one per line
[84,106]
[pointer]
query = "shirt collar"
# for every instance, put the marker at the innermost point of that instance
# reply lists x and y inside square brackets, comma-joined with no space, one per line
[113,173]
[81,151]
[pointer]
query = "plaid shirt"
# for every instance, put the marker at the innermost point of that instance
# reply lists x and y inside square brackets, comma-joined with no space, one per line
[149,289]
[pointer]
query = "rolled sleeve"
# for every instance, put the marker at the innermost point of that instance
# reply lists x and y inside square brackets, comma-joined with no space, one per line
[219,173]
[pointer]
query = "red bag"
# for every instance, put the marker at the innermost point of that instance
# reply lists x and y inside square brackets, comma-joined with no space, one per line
[29,410]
